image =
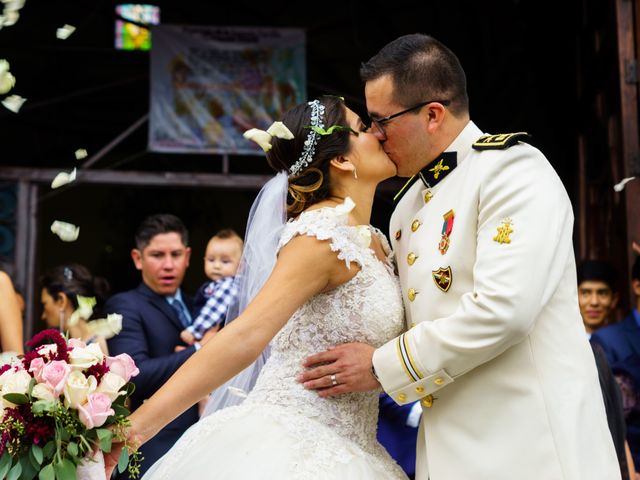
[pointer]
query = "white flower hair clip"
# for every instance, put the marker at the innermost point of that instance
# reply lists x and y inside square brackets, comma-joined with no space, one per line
[263,138]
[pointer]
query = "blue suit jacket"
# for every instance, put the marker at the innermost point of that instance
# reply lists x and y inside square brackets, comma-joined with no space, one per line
[621,343]
[150,332]
[395,435]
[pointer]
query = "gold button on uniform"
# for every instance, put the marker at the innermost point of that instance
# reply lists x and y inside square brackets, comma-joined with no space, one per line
[415,225]
[402,397]
[427,401]
[411,293]
[439,381]
[427,196]
[419,389]
[413,324]
[411,258]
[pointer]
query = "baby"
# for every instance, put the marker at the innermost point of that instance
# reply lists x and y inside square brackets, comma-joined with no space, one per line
[221,261]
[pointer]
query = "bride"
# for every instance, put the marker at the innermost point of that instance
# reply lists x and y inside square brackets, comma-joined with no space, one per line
[332,283]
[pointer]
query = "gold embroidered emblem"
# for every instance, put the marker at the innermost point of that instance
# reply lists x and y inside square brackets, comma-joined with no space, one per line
[438,168]
[443,278]
[504,231]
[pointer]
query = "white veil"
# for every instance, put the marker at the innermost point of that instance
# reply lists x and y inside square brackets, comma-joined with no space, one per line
[267,217]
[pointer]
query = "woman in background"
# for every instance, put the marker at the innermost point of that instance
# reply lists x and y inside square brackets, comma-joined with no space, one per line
[60,288]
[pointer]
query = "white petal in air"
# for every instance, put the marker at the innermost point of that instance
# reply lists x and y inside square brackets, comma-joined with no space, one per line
[13,103]
[280,130]
[13,4]
[64,32]
[618,187]
[63,178]
[66,231]
[81,153]
[364,235]
[10,18]
[106,327]
[261,137]
[4,66]
[84,310]
[7,81]
[345,207]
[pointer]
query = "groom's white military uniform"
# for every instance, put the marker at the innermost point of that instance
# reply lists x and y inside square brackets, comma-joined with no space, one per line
[496,348]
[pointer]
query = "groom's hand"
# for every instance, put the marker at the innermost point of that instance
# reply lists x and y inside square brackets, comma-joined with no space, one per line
[342,369]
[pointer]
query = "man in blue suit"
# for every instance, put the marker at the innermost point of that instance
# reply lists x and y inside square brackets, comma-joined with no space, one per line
[398,431]
[153,315]
[621,343]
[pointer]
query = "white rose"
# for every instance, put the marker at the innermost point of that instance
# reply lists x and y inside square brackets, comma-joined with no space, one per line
[110,385]
[16,382]
[83,358]
[43,392]
[77,388]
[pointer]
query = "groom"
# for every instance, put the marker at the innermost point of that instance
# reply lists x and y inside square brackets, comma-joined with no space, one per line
[482,232]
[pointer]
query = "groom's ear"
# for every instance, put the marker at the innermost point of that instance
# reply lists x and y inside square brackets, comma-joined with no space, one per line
[342,164]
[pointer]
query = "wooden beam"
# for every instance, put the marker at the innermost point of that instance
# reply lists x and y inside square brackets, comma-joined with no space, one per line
[628,70]
[152,179]
[149,179]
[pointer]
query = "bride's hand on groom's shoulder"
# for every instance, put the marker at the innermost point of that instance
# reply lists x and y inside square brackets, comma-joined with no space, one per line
[342,369]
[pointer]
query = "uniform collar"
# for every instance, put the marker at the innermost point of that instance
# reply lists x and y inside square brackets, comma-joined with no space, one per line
[462,144]
[446,162]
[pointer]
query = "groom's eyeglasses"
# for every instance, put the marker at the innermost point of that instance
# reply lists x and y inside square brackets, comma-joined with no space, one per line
[381,122]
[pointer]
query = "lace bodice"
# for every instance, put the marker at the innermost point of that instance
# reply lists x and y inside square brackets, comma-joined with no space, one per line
[368,308]
[324,436]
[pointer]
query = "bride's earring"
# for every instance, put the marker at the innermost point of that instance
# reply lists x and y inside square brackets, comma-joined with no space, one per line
[62,320]
[355,173]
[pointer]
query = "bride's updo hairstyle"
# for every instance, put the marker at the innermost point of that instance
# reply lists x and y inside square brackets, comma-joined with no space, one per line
[310,184]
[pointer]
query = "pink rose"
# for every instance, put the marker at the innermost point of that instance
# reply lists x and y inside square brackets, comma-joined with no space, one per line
[123,366]
[35,367]
[95,412]
[55,374]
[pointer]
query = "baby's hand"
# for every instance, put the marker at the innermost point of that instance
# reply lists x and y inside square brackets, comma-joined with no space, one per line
[187,337]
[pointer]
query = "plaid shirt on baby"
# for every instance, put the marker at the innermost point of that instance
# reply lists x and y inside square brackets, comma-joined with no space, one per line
[221,294]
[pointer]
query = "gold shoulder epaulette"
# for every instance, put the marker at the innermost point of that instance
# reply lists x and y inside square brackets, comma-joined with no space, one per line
[500,141]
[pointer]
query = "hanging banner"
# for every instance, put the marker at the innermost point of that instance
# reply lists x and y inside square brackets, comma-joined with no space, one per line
[211,84]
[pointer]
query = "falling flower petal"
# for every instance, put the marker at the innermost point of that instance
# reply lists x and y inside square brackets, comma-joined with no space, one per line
[7,81]
[84,310]
[363,235]
[4,66]
[10,17]
[81,153]
[14,4]
[66,231]
[618,187]
[106,327]
[64,32]
[63,178]
[13,103]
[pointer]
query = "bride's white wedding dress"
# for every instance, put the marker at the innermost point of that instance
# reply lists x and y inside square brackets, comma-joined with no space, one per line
[281,430]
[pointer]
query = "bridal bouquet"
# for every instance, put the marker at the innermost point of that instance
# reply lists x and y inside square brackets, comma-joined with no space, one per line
[61,405]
